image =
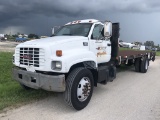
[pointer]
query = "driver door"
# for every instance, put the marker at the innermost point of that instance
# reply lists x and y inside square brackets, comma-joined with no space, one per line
[100,46]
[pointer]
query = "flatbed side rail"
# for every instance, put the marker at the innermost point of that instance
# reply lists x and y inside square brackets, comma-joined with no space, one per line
[126,55]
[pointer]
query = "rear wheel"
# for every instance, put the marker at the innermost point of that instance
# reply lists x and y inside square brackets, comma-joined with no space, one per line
[138,65]
[79,88]
[144,65]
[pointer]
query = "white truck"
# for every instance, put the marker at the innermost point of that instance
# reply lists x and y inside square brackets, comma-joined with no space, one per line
[79,55]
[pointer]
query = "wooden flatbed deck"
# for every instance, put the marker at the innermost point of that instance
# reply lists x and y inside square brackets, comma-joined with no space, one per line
[133,54]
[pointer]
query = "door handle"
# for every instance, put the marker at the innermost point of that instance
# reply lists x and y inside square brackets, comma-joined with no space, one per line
[108,44]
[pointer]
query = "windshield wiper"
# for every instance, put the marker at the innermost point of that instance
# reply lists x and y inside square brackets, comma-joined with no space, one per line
[66,34]
[52,35]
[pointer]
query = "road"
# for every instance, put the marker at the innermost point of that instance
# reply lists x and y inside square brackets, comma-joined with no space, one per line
[131,96]
[7,46]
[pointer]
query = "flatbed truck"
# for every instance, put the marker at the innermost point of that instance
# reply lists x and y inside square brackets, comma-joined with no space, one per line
[77,57]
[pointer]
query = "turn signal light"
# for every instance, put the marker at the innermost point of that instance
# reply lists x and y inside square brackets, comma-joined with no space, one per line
[59,53]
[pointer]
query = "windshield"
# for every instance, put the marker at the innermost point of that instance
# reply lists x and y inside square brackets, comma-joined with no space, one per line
[81,29]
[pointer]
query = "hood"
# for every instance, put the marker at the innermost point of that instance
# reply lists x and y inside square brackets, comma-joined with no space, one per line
[52,40]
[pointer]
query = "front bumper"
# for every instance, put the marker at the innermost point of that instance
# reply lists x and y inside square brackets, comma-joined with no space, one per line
[54,83]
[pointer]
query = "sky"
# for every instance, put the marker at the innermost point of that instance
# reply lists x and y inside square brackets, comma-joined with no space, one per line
[139,19]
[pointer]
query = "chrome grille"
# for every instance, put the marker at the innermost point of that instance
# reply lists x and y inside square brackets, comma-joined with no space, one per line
[31,56]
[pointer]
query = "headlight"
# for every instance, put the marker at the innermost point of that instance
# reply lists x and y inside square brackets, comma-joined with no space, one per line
[56,65]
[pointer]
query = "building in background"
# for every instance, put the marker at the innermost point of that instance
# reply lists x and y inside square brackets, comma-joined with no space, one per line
[22,37]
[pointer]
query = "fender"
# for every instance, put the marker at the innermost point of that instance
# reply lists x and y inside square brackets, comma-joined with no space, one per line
[75,56]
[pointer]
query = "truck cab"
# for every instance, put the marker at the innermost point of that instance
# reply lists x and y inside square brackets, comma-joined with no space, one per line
[79,55]
[93,31]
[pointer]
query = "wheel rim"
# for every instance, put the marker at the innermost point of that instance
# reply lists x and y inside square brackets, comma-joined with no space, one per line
[146,66]
[83,89]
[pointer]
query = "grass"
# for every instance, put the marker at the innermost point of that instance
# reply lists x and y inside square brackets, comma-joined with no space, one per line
[11,93]
[121,48]
[158,53]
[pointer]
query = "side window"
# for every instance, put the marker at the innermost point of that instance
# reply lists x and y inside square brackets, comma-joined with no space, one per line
[97,32]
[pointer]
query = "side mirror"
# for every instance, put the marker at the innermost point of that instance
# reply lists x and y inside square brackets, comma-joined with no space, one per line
[107,29]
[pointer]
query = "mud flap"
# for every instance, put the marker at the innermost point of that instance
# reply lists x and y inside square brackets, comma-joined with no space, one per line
[103,75]
[112,73]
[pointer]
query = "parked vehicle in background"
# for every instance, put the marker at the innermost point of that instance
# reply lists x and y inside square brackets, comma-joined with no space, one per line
[123,45]
[126,44]
[80,55]
[158,49]
[3,37]
[148,47]
[154,49]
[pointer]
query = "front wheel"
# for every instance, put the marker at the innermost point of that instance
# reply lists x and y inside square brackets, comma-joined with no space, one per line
[79,88]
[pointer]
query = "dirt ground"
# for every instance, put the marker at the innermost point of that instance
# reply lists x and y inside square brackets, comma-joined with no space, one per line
[7,46]
[131,96]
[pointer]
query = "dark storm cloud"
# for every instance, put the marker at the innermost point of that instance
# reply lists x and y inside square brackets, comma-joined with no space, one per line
[38,16]
[20,9]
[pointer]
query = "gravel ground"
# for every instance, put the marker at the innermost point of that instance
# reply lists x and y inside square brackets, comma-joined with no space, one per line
[131,96]
[7,46]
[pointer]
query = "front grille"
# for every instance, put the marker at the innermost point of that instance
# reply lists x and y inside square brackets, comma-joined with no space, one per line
[31,56]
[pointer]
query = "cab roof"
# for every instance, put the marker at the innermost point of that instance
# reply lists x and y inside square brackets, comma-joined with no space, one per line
[83,21]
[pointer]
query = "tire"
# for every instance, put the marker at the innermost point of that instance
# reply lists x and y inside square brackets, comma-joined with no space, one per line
[75,84]
[138,65]
[25,87]
[144,65]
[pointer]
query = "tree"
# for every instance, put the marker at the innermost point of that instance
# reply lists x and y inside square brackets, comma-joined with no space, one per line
[15,35]
[120,40]
[33,36]
[18,33]
[149,43]
[138,43]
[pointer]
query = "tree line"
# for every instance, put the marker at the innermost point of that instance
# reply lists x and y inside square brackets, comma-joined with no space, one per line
[30,36]
[150,43]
